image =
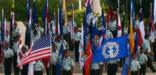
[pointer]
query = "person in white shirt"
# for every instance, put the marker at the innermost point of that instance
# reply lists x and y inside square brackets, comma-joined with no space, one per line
[134,66]
[54,59]
[67,64]
[142,58]
[77,37]
[16,47]
[38,68]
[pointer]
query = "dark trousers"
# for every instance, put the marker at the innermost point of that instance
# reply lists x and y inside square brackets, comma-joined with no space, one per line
[53,69]
[143,69]
[16,69]
[112,69]
[66,72]
[134,72]
[7,66]
[95,72]
[38,73]
[154,50]
[77,51]
[24,71]
[150,65]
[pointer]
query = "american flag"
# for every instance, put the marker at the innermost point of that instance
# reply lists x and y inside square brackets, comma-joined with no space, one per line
[40,50]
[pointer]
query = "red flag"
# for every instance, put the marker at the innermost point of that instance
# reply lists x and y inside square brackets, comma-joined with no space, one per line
[88,59]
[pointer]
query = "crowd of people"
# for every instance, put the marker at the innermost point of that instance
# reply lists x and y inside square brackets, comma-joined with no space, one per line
[13,51]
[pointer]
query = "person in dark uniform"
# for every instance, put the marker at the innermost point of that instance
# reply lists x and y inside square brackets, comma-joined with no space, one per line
[8,54]
[67,64]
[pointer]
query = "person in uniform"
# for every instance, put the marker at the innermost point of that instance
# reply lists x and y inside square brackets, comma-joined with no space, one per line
[134,66]
[142,60]
[54,59]
[15,47]
[8,54]
[67,64]
[38,68]
[35,34]
[77,37]
[147,50]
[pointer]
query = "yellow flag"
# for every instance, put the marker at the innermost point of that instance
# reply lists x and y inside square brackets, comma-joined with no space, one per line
[64,10]
[131,38]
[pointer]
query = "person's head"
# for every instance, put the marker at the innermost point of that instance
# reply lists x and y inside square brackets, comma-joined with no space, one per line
[15,25]
[24,49]
[66,53]
[6,45]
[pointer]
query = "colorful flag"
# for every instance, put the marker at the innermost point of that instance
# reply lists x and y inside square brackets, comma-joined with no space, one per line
[12,22]
[152,28]
[141,25]
[103,29]
[88,59]
[40,50]
[60,19]
[131,34]
[111,49]
[119,27]
[64,10]
[46,18]
[34,15]
[28,30]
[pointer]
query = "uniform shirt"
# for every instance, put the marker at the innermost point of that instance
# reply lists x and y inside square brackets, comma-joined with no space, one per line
[95,66]
[8,53]
[35,37]
[58,44]
[109,34]
[15,47]
[38,66]
[146,45]
[142,58]
[54,57]
[135,66]
[67,63]
[77,36]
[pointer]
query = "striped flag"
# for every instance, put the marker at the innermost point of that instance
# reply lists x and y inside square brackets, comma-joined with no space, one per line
[40,50]
[141,28]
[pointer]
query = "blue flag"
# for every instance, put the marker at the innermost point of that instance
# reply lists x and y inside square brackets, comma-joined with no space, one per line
[27,8]
[35,12]
[111,49]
